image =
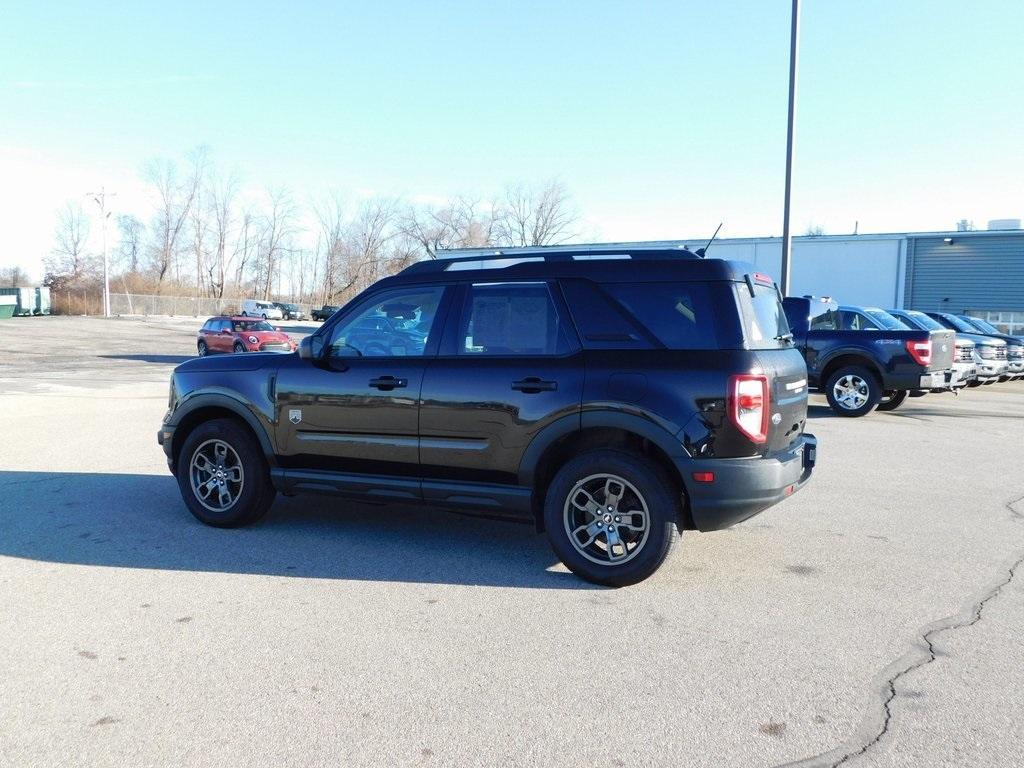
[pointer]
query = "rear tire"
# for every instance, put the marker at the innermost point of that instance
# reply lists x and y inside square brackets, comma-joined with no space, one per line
[608,501]
[202,349]
[223,476]
[892,400]
[852,391]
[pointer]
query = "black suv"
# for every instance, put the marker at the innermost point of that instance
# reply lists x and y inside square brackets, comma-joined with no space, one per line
[609,397]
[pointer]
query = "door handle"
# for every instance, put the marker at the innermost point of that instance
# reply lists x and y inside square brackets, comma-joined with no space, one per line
[531,385]
[387,383]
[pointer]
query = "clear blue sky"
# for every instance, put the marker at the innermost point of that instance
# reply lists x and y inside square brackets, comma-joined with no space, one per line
[662,118]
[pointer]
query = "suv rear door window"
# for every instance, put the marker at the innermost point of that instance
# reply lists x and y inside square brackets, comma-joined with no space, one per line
[679,315]
[511,319]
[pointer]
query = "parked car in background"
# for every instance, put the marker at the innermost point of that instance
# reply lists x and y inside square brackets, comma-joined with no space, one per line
[290,311]
[265,309]
[241,334]
[324,313]
[1014,344]
[609,402]
[855,369]
[965,360]
[992,357]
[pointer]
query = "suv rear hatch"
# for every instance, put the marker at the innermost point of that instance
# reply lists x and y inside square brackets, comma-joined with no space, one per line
[766,330]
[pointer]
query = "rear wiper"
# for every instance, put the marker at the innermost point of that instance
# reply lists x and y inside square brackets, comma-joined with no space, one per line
[784,337]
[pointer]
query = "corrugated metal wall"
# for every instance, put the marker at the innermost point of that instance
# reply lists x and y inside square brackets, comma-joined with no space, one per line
[980,272]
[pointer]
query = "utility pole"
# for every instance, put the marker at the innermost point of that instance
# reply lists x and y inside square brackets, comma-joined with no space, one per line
[787,240]
[100,198]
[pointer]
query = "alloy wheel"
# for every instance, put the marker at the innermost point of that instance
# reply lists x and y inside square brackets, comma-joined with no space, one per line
[216,475]
[851,392]
[606,519]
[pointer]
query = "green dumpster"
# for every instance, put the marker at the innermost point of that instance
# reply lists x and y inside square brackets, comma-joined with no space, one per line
[8,304]
[24,299]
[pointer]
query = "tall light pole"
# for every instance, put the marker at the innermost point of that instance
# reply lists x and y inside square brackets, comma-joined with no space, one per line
[101,200]
[787,241]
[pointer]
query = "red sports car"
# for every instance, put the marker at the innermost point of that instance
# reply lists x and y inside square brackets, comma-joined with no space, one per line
[241,334]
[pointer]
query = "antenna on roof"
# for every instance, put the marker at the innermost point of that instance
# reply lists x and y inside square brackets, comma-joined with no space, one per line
[701,251]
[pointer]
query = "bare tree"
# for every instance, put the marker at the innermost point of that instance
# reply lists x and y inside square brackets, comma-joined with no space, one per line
[815,230]
[221,196]
[537,215]
[70,262]
[278,228]
[367,238]
[460,223]
[174,198]
[331,243]
[129,249]
[13,276]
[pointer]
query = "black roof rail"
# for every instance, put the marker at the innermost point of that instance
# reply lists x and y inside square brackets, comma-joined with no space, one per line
[446,260]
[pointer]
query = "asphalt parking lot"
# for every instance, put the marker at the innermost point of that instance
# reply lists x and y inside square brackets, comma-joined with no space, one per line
[872,619]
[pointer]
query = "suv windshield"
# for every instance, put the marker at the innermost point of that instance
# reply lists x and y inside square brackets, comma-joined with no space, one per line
[241,326]
[764,321]
[923,321]
[958,324]
[983,325]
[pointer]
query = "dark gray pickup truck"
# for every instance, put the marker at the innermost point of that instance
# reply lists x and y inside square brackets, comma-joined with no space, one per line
[856,367]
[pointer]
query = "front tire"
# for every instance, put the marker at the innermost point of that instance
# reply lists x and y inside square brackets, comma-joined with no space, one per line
[223,476]
[239,347]
[892,400]
[611,516]
[852,391]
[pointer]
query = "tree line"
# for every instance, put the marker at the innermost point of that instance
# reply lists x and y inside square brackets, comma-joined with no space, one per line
[204,238]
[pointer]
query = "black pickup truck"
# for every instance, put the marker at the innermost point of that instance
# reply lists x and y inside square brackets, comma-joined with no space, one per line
[324,313]
[856,365]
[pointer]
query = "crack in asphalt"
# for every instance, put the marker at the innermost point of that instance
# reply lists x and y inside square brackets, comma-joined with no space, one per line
[922,653]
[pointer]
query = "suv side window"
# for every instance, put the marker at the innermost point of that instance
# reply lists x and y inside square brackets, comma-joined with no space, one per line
[680,315]
[394,324]
[511,319]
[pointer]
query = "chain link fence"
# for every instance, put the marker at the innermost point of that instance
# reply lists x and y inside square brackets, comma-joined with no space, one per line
[77,302]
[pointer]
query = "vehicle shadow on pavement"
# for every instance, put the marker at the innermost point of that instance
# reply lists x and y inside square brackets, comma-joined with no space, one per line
[161,359]
[140,521]
[820,412]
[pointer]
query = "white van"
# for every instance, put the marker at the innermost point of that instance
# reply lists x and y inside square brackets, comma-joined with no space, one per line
[264,309]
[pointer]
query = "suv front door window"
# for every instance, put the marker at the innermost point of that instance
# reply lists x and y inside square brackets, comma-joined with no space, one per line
[356,410]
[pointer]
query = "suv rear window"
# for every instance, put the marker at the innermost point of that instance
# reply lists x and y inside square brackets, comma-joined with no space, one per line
[680,315]
[764,320]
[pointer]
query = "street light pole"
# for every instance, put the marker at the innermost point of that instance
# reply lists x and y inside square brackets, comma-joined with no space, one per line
[101,200]
[787,241]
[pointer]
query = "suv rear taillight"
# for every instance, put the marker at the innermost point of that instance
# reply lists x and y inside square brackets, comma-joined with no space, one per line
[749,404]
[921,351]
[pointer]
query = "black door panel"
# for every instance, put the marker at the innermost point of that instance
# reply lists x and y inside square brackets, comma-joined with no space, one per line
[508,372]
[474,425]
[357,411]
[336,420]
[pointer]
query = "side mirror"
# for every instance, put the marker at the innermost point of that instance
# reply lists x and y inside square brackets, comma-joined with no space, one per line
[312,347]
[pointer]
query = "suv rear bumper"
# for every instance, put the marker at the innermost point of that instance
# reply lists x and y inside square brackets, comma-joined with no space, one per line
[744,487]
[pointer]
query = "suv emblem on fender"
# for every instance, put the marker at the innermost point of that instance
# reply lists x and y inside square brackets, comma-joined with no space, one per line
[295,416]
[776,418]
